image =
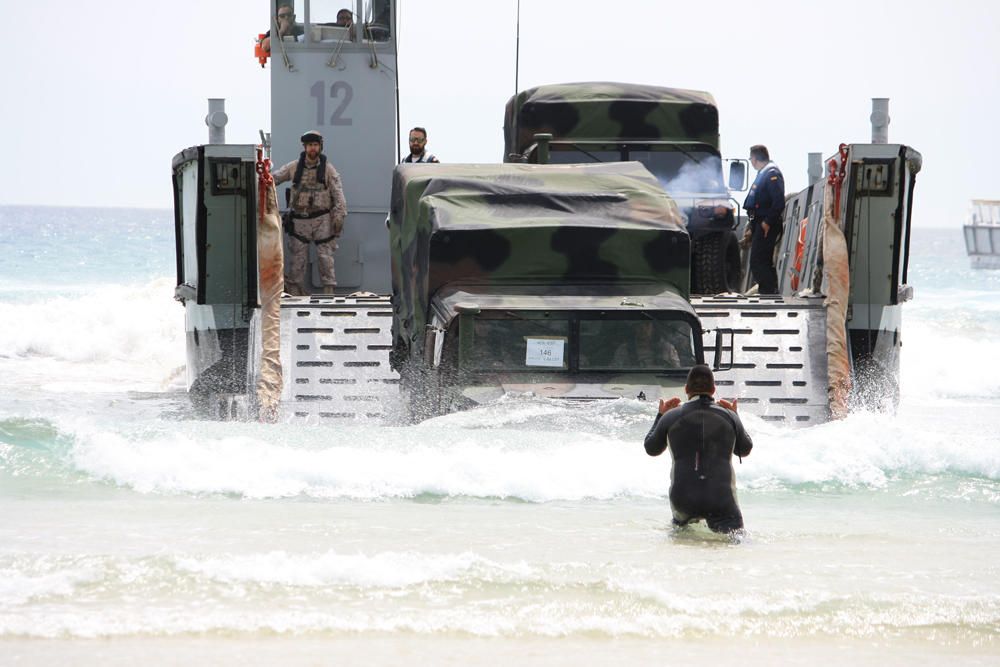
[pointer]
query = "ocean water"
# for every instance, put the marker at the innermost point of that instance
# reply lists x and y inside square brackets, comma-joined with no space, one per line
[526,532]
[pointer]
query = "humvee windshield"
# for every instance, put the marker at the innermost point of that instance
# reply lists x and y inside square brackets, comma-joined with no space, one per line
[519,345]
[679,173]
[561,156]
[571,344]
[636,345]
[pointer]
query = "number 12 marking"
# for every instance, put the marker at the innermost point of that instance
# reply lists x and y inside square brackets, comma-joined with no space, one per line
[339,90]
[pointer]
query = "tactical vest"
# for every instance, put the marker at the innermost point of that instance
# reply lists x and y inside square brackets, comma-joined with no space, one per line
[311,196]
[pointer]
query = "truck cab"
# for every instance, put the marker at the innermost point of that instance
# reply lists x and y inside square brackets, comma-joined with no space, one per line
[674,133]
[578,346]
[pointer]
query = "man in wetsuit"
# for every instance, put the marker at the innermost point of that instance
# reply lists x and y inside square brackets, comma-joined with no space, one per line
[703,436]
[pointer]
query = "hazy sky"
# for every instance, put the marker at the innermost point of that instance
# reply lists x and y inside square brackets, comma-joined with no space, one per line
[98,97]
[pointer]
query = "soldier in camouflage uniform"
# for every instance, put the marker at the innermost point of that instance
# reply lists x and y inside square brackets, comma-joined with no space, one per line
[318,212]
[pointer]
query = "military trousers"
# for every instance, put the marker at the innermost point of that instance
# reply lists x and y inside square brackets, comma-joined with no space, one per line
[762,256]
[319,231]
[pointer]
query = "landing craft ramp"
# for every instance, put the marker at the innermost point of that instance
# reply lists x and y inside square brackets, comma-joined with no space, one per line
[335,352]
[779,369]
[335,356]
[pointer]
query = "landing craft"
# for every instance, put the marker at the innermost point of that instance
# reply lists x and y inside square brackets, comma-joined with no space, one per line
[982,234]
[791,358]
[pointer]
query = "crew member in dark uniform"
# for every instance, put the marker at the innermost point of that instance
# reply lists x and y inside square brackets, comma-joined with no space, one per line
[703,436]
[764,205]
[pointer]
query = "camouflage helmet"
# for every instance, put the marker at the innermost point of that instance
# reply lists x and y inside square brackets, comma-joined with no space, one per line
[312,136]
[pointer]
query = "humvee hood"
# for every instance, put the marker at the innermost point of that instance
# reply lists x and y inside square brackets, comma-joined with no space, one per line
[451,300]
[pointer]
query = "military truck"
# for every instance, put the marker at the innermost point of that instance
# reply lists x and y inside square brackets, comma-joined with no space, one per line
[565,281]
[673,132]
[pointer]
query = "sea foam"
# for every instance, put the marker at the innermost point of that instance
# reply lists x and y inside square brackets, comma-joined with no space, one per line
[95,342]
[866,450]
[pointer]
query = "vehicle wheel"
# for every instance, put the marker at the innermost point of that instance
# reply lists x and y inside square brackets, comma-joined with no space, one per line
[715,264]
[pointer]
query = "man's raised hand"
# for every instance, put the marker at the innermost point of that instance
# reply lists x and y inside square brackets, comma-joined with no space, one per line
[669,405]
[729,405]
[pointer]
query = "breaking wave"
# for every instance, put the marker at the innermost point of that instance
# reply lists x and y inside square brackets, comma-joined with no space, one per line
[458,456]
[95,341]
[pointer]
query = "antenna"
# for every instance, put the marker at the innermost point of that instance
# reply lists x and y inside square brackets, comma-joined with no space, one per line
[517,46]
[395,43]
[517,69]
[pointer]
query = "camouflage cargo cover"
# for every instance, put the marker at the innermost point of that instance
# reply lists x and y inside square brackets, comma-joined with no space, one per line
[596,111]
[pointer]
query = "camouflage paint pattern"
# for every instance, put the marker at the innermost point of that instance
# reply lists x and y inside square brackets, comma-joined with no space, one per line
[497,226]
[596,111]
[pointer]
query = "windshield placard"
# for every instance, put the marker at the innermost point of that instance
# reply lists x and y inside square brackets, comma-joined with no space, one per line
[547,352]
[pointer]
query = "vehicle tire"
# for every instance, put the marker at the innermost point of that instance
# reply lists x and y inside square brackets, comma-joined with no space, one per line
[716,266]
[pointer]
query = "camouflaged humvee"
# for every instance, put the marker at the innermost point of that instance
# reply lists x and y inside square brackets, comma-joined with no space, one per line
[566,281]
[673,132]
